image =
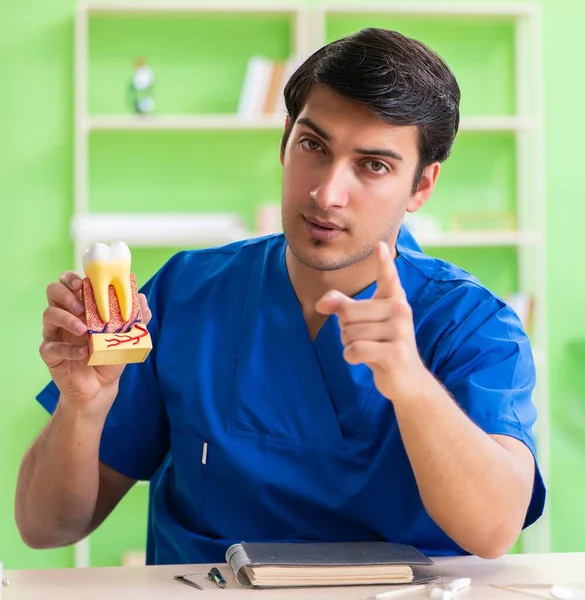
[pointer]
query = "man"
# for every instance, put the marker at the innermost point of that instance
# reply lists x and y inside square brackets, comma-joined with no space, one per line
[334,383]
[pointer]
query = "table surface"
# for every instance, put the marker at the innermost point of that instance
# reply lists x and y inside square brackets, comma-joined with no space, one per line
[147,583]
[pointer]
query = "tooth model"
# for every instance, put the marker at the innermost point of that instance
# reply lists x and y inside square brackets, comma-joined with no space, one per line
[116,331]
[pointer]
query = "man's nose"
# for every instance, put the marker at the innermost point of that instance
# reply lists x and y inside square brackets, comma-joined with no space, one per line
[332,191]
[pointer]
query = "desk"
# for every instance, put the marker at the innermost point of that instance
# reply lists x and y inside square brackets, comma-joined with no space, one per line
[150,583]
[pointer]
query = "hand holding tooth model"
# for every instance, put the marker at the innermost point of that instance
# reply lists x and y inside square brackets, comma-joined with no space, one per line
[116,330]
[92,326]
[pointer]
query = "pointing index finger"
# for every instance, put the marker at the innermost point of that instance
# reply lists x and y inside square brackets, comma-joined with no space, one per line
[388,283]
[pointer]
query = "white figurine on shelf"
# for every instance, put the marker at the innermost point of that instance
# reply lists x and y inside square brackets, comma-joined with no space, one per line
[141,87]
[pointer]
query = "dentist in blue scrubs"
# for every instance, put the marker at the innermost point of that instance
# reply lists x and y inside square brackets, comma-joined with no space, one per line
[333,383]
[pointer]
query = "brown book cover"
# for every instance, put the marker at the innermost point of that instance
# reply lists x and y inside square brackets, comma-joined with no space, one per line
[273,89]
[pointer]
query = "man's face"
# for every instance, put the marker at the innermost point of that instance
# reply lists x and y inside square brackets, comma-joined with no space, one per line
[347,181]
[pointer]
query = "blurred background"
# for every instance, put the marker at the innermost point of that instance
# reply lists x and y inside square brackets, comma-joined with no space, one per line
[161,127]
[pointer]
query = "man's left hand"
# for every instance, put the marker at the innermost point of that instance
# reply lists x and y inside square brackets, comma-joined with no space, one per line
[379,332]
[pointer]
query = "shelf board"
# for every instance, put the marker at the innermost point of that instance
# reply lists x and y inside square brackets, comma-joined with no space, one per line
[498,123]
[404,8]
[273,121]
[168,229]
[181,122]
[187,7]
[473,9]
[479,239]
[159,229]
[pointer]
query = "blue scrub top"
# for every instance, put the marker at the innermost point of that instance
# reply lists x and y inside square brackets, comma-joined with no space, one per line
[249,430]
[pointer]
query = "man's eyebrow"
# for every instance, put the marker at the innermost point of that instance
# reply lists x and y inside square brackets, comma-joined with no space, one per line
[369,151]
[379,152]
[315,128]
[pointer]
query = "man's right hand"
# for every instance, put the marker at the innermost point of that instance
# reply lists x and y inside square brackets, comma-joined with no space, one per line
[64,348]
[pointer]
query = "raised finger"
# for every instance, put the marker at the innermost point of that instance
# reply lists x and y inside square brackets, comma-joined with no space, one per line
[58,294]
[388,281]
[54,353]
[55,318]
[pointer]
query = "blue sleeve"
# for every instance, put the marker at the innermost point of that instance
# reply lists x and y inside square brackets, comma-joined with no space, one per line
[488,368]
[135,438]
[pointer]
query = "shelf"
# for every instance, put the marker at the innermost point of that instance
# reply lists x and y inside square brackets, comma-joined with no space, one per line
[186,7]
[164,229]
[233,122]
[479,239]
[152,230]
[504,123]
[181,122]
[474,9]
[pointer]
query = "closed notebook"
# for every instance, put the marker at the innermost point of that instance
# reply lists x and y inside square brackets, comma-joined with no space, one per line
[308,564]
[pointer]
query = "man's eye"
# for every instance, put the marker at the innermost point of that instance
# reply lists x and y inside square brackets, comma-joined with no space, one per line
[310,145]
[376,166]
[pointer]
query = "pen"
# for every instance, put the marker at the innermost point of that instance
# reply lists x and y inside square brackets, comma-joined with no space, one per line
[184,579]
[215,575]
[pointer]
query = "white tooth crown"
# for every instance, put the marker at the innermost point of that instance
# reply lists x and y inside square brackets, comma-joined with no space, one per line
[109,265]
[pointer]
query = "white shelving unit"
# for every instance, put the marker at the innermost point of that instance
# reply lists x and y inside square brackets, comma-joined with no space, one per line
[309,31]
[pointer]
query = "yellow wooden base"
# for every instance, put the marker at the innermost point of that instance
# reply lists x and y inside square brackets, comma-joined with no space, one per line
[119,348]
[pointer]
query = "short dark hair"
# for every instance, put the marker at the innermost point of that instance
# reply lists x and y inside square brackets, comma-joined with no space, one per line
[397,78]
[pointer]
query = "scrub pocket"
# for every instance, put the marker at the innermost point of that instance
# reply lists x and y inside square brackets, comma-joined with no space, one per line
[188,462]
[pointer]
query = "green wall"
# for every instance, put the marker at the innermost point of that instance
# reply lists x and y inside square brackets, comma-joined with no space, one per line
[223,172]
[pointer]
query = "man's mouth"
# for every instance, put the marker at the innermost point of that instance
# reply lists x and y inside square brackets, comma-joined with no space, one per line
[324,224]
[324,231]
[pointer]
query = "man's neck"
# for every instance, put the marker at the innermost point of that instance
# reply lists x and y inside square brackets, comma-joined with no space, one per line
[311,284]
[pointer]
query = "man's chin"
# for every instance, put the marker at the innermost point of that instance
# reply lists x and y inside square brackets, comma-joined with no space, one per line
[320,257]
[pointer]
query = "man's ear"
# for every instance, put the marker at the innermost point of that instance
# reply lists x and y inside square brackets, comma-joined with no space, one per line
[425,187]
[282,147]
